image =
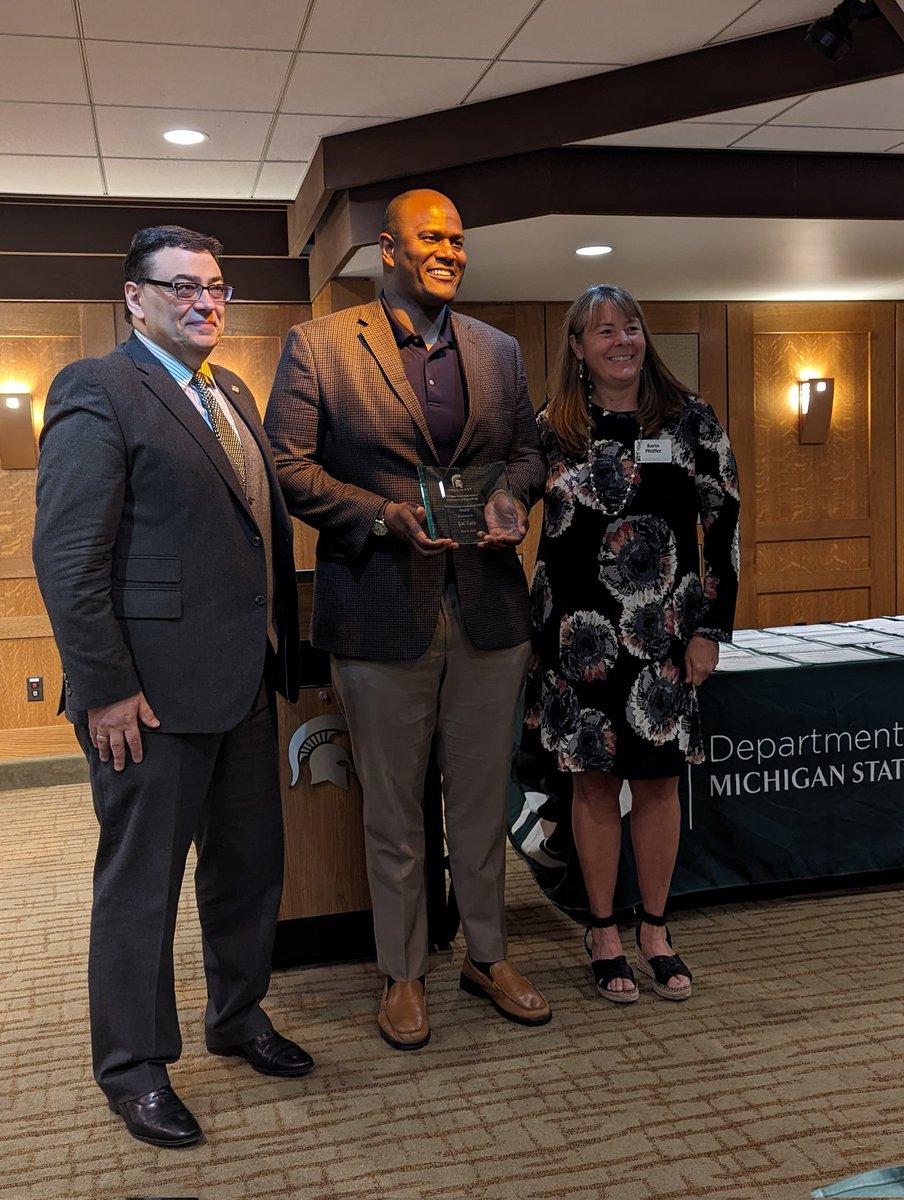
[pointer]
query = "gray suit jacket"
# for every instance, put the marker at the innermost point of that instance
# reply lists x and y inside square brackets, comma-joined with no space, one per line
[147,552]
[348,433]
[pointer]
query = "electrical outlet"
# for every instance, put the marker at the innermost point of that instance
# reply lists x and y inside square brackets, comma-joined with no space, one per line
[34,687]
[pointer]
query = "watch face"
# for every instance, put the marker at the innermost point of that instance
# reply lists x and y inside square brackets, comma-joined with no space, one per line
[379,528]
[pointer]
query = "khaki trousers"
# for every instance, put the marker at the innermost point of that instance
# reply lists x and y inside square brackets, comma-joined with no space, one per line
[467,698]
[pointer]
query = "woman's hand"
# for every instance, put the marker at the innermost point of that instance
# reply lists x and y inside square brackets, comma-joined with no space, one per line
[700,659]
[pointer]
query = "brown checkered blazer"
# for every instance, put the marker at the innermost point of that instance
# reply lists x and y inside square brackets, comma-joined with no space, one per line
[348,433]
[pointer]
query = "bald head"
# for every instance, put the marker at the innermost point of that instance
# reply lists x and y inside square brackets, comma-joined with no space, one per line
[422,248]
[417,197]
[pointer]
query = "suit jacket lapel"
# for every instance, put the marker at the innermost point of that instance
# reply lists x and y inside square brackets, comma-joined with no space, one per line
[159,381]
[375,332]
[469,355]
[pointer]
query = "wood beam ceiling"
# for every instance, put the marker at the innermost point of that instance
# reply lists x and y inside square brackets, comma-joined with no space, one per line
[588,180]
[715,79]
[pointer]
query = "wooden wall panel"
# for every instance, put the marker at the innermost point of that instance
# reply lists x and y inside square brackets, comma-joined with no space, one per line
[36,341]
[526,323]
[852,604]
[20,597]
[22,655]
[813,565]
[818,527]
[17,513]
[252,343]
[803,483]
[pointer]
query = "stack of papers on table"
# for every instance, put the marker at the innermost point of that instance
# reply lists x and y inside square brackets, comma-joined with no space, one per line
[830,654]
[752,662]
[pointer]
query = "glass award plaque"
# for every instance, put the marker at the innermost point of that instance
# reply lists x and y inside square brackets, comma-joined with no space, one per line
[455,499]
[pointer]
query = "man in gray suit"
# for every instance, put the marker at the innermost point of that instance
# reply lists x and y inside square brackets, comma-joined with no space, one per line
[164,554]
[428,637]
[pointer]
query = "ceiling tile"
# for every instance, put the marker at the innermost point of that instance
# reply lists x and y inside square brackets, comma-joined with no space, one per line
[49,17]
[504,77]
[686,134]
[564,30]
[46,129]
[273,25]
[477,29]
[774,14]
[186,76]
[349,84]
[837,141]
[750,114]
[158,178]
[48,69]
[280,181]
[138,133]
[878,104]
[295,137]
[50,176]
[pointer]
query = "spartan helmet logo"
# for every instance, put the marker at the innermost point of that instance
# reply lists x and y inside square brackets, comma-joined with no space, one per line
[329,762]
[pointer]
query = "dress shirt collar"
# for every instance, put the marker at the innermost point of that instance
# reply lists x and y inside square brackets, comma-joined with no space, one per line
[182,374]
[440,331]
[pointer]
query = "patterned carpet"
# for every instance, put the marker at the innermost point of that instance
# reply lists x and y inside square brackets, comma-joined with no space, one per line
[782,1072]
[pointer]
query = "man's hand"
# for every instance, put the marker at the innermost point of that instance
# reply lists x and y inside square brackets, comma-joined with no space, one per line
[115,727]
[506,520]
[405,521]
[700,659]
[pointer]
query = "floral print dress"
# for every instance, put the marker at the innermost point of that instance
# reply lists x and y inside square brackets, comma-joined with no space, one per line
[617,593]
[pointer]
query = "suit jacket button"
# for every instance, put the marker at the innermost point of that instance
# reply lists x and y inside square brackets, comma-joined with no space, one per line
[257,541]
[260,599]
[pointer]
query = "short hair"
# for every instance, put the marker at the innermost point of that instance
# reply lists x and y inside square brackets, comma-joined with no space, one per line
[146,243]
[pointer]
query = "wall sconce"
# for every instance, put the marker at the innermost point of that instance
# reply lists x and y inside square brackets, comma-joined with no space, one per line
[814,408]
[17,433]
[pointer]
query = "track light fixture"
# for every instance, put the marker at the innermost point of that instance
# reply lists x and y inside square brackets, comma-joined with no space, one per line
[834,35]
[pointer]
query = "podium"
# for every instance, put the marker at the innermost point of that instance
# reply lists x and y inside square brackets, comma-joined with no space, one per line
[325,912]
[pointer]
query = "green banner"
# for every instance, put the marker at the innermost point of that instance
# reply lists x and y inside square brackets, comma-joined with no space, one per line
[803,780]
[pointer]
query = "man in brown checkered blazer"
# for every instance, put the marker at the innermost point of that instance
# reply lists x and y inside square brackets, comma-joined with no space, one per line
[428,638]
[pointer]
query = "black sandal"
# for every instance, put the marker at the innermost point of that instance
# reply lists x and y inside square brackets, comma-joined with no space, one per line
[606,969]
[661,967]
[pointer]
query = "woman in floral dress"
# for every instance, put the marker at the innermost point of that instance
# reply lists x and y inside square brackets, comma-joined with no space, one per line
[624,629]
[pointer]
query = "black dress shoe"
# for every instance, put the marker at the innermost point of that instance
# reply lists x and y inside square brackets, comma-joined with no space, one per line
[271,1054]
[160,1119]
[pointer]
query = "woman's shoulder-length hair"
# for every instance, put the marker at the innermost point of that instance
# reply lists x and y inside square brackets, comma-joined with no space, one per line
[660,395]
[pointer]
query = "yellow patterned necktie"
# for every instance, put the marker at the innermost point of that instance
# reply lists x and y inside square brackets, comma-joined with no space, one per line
[226,435]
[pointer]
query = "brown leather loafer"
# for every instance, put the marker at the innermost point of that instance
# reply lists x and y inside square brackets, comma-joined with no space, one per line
[271,1054]
[160,1119]
[403,1015]
[513,996]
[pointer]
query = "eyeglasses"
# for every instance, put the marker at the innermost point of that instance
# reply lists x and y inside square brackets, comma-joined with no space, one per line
[182,289]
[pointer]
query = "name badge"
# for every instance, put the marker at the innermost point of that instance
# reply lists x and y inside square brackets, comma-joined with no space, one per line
[653,450]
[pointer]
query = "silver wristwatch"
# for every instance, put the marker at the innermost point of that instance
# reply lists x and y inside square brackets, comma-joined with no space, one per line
[379,527]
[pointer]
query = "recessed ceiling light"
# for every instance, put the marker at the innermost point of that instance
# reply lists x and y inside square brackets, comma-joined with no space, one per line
[593,251]
[185,137]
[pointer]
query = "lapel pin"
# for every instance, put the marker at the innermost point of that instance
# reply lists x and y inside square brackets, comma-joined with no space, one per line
[234,388]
